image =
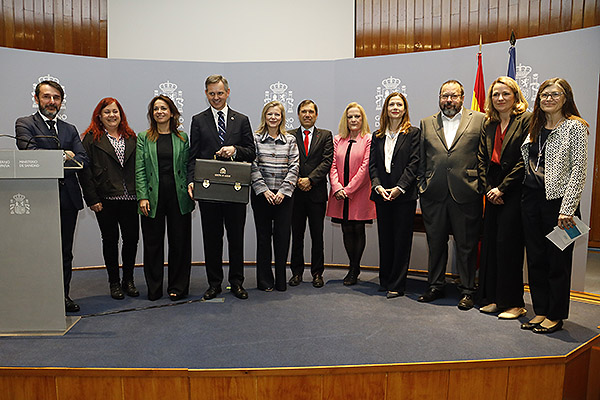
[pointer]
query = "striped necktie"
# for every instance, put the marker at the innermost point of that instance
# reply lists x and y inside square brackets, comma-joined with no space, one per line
[221,126]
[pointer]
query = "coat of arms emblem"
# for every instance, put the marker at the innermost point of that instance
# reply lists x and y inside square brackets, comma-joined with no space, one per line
[19,205]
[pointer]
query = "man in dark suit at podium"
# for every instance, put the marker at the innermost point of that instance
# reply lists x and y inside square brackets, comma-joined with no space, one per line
[310,196]
[43,130]
[222,133]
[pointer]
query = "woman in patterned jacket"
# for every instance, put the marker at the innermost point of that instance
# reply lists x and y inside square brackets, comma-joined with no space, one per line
[555,157]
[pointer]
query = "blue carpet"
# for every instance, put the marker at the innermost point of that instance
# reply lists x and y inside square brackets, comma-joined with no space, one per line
[304,326]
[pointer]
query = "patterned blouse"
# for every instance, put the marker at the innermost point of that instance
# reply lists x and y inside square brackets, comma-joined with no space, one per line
[276,164]
[119,146]
[565,163]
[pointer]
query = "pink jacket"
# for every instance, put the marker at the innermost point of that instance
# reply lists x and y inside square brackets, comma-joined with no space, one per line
[359,187]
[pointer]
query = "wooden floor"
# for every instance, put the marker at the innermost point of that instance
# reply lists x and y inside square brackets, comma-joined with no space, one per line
[572,376]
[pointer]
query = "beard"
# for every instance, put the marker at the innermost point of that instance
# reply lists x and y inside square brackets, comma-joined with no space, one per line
[450,109]
[49,112]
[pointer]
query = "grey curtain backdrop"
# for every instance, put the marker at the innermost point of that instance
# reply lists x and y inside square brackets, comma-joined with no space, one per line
[331,84]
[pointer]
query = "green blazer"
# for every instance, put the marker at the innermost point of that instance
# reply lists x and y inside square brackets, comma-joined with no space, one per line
[146,172]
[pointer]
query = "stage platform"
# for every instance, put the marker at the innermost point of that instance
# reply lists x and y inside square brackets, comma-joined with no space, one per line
[306,343]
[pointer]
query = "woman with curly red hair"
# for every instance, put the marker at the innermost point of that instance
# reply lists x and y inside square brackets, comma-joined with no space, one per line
[109,190]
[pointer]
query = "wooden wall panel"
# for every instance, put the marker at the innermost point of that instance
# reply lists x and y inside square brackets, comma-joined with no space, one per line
[422,385]
[218,388]
[290,388]
[420,25]
[467,384]
[524,383]
[27,387]
[88,388]
[155,388]
[59,26]
[354,386]
[576,377]
[594,235]
[593,386]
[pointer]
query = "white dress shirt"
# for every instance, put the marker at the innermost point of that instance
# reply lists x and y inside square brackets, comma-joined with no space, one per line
[451,127]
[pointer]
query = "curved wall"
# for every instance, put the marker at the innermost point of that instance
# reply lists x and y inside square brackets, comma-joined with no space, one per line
[332,84]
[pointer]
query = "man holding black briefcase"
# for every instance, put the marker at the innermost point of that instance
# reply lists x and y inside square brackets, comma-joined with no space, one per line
[224,134]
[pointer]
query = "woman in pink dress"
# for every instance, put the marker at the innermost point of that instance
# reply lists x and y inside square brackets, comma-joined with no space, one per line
[349,202]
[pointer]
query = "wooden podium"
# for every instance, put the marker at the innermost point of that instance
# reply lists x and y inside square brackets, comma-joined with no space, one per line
[31,279]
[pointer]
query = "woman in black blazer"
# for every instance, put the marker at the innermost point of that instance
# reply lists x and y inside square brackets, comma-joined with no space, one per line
[500,168]
[109,190]
[393,166]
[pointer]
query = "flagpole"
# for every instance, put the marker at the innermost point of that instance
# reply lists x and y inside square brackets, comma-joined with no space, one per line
[478,101]
[512,57]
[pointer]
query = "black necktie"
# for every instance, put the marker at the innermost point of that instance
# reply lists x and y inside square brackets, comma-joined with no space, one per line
[52,128]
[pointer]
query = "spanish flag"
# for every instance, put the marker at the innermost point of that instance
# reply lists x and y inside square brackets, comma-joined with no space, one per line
[479,90]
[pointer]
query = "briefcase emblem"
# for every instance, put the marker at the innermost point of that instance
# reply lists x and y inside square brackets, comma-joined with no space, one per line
[237,186]
[222,171]
[206,183]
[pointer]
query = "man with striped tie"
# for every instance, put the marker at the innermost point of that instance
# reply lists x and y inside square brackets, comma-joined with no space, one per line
[223,133]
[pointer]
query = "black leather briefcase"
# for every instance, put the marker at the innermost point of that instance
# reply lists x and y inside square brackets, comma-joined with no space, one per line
[222,181]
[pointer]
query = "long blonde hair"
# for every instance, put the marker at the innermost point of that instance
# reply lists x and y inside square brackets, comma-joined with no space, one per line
[343,128]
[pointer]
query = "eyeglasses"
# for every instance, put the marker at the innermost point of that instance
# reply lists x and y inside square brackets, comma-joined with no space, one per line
[449,96]
[49,97]
[553,95]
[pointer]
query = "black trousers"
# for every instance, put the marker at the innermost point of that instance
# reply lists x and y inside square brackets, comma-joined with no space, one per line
[272,224]
[439,218]
[395,222]
[502,253]
[304,208]
[68,221]
[549,269]
[215,218]
[179,235]
[115,215]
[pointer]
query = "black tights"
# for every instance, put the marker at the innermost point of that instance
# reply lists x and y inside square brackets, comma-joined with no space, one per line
[354,242]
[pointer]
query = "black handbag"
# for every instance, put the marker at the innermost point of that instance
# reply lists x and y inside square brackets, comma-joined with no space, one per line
[222,181]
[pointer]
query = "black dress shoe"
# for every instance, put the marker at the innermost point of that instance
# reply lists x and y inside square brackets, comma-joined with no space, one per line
[350,279]
[540,329]
[116,292]
[430,295]
[318,281]
[466,303]
[239,292]
[130,289]
[175,296]
[212,292]
[295,280]
[528,326]
[70,305]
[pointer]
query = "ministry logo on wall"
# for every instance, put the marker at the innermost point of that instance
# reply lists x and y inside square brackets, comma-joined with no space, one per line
[388,85]
[169,89]
[279,92]
[529,83]
[61,114]
[19,204]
